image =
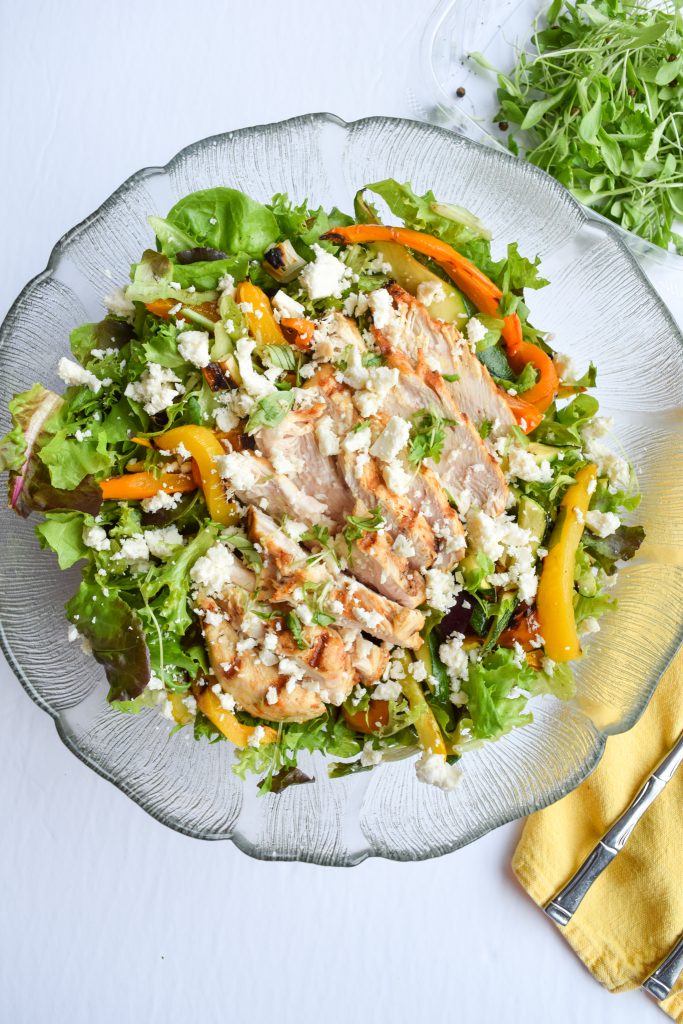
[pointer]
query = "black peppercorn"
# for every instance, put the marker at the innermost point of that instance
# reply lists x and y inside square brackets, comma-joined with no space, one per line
[503,125]
[460,92]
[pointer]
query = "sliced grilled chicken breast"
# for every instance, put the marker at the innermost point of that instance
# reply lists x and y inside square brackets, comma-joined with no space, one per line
[242,674]
[466,468]
[446,351]
[351,603]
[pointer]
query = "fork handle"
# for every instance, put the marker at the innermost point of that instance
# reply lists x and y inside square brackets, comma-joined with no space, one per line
[661,981]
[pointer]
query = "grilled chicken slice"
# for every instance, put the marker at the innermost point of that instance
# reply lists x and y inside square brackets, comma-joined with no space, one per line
[466,468]
[427,494]
[350,602]
[446,351]
[334,334]
[362,474]
[325,661]
[242,675]
[255,482]
[374,563]
[293,443]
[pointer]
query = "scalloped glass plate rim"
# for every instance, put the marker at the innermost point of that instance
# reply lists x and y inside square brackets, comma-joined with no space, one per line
[151,171]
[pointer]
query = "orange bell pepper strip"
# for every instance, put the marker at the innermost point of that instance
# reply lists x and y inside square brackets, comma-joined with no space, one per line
[476,286]
[205,448]
[298,330]
[372,720]
[555,599]
[136,486]
[528,416]
[227,722]
[262,325]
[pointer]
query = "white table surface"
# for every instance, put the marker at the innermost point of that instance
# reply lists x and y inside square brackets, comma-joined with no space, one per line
[107,916]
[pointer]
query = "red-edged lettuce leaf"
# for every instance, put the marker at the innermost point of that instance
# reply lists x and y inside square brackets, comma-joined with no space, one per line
[117,637]
[30,411]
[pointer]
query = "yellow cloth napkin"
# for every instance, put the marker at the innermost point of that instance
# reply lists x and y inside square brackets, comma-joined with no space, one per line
[633,914]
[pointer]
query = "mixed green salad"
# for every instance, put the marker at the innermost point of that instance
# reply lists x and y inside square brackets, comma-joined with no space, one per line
[329,488]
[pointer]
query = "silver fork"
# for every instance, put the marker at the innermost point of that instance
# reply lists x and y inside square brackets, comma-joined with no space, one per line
[562,907]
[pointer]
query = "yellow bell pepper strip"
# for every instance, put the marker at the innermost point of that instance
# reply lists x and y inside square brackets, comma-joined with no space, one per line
[179,711]
[299,331]
[262,325]
[136,486]
[143,441]
[426,725]
[205,448]
[555,599]
[476,286]
[227,722]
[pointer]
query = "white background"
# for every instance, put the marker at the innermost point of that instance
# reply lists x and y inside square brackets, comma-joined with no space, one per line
[105,915]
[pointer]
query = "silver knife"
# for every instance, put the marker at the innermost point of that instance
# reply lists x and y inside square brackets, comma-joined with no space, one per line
[561,908]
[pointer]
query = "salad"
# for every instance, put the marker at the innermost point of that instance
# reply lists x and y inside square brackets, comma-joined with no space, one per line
[329,487]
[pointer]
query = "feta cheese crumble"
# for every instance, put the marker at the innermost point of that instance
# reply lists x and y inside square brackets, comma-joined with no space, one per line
[523,465]
[194,347]
[392,440]
[434,770]
[602,524]
[73,374]
[95,537]
[212,572]
[429,292]
[156,390]
[326,277]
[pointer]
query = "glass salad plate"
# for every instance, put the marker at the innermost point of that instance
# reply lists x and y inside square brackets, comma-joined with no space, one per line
[599,305]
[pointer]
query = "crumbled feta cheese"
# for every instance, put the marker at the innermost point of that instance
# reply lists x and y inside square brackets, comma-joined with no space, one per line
[567,369]
[326,277]
[328,441]
[287,306]
[96,537]
[589,625]
[155,683]
[194,347]
[212,618]
[238,469]
[80,435]
[133,550]
[163,542]
[442,589]
[418,671]
[271,695]
[389,689]
[287,464]
[255,384]
[603,524]
[429,292]
[293,529]
[475,330]
[456,661]
[117,303]
[369,757]
[396,478]
[548,666]
[523,465]
[336,607]
[382,306]
[73,374]
[434,770]
[156,390]
[579,515]
[403,547]
[379,382]
[72,633]
[368,618]
[160,500]
[226,285]
[212,572]
[248,644]
[357,440]
[256,737]
[392,440]
[502,540]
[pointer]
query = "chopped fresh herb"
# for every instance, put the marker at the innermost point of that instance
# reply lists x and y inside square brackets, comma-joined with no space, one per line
[485,429]
[451,377]
[356,526]
[320,535]
[270,410]
[427,436]
[296,629]
[373,359]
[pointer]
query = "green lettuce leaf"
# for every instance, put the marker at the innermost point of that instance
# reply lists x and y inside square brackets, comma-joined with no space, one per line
[117,637]
[491,707]
[452,224]
[225,219]
[63,533]
[108,333]
[621,545]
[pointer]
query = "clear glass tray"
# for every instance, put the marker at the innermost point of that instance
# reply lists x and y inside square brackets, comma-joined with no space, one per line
[599,305]
[498,29]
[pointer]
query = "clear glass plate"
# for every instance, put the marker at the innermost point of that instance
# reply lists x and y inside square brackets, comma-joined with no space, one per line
[499,29]
[599,305]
